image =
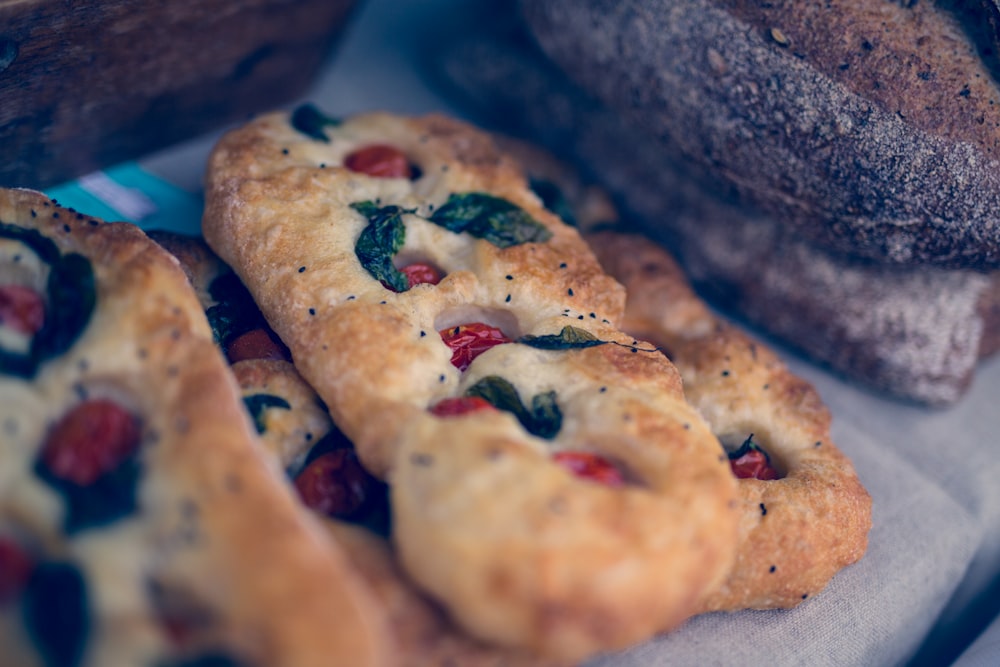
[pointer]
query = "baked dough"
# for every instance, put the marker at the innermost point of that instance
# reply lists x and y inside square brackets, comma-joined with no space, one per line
[796,532]
[518,550]
[188,546]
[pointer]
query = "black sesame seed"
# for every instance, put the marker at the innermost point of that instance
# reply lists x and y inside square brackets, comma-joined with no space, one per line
[322,165]
[725,374]
[563,265]
[441,378]
[351,298]
[603,389]
[593,316]
[312,311]
[66,228]
[284,151]
[507,300]
[509,277]
[773,568]
[805,595]
[33,213]
[687,427]
[55,214]
[763,510]
[818,444]
[302,269]
[309,436]
[766,387]
[580,317]
[423,333]
[570,291]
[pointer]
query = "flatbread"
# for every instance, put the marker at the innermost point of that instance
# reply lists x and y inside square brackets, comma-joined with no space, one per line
[188,546]
[518,550]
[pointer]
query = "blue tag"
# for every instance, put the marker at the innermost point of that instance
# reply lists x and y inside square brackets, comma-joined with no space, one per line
[128,192]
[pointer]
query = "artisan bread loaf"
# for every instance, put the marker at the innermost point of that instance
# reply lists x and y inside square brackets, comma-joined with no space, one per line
[869,127]
[913,332]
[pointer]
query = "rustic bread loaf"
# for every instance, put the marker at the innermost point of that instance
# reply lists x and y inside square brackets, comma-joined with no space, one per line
[869,127]
[915,333]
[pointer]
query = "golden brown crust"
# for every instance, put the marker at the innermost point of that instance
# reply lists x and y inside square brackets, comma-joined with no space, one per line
[796,532]
[517,549]
[214,516]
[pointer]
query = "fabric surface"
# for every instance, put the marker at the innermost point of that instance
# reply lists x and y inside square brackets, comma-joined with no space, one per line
[935,545]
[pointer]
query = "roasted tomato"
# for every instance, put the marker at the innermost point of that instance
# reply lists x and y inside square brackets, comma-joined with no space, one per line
[468,341]
[335,484]
[590,466]
[21,308]
[380,161]
[256,344]
[90,440]
[460,405]
[420,274]
[752,462]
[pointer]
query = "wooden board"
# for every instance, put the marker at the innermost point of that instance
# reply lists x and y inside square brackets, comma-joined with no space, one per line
[86,85]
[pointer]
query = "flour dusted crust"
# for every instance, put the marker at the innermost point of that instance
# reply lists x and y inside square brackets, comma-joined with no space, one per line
[215,545]
[517,549]
[795,532]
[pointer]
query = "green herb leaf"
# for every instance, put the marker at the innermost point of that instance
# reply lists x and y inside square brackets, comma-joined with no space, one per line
[257,405]
[235,312]
[310,121]
[110,498]
[70,297]
[553,199]
[380,241]
[568,338]
[490,218]
[748,446]
[544,419]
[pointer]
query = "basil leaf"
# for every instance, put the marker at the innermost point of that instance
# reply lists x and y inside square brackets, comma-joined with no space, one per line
[748,446]
[544,419]
[111,497]
[257,404]
[235,312]
[553,199]
[490,218]
[310,121]
[380,241]
[568,338]
[70,297]
[56,612]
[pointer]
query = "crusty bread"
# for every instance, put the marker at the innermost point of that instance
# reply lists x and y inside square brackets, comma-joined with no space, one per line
[203,551]
[915,333]
[869,127]
[796,531]
[520,552]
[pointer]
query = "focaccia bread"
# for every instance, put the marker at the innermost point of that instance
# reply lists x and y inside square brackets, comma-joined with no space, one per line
[870,128]
[805,513]
[915,333]
[141,522]
[296,429]
[420,285]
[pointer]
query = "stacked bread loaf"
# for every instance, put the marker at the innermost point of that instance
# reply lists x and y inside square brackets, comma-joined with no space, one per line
[828,172]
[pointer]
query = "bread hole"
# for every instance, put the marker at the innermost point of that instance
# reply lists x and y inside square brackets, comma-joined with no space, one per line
[499,318]
[418,269]
[751,456]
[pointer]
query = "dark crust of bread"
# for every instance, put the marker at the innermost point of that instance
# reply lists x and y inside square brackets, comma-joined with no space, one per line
[870,127]
[888,334]
[220,528]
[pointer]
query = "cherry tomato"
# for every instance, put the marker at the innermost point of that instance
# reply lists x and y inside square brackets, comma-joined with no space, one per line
[335,484]
[753,465]
[90,440]
[419,274]
[380,161]
[15,569]
[590,466]
[256,344]
[21,308]
[460,405]
[468,341]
